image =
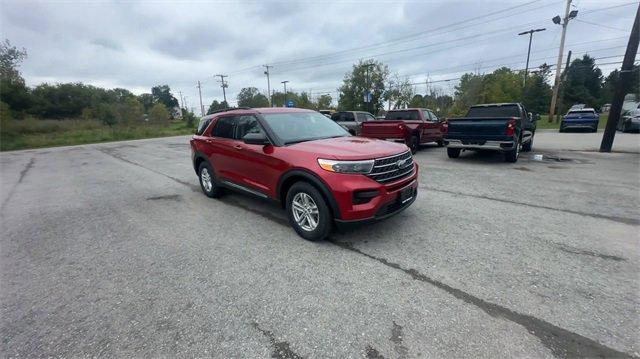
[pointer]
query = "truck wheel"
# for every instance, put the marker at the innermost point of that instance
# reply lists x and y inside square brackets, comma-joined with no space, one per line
[415,144]
[308,212]
[440,143]
[526,147]
[453,152]
[208,182]
[512,156]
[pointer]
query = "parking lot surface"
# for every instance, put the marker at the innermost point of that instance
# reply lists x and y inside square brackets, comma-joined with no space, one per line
[112,250]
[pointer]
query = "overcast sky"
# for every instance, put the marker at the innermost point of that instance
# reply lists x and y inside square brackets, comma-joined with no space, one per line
[137,45]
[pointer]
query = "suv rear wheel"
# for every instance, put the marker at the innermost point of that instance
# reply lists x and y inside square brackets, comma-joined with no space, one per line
[453,152]
[207,181]
[308,212]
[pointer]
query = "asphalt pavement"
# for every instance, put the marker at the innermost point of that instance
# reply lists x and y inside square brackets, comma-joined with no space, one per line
[112,250]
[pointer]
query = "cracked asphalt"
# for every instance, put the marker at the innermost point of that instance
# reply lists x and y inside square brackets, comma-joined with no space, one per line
[112,250]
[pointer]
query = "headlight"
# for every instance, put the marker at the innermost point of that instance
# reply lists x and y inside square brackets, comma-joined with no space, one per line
[346,166]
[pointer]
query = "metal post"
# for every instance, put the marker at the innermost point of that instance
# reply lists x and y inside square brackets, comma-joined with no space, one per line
[200,94]
[224,85]
[284,104]
[623,86]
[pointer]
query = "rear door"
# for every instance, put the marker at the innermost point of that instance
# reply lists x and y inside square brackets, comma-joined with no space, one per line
[431,128]
[221,145]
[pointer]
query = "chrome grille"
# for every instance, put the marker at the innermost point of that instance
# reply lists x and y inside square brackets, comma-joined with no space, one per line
[387,170]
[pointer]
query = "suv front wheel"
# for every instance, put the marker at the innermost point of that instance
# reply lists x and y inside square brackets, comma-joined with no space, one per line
[308,212]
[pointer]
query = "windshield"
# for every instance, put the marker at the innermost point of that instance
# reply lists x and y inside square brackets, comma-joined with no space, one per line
[494,111]
[411,115]
[303,126]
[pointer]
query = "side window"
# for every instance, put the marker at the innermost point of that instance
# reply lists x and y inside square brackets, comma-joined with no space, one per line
[335,116]
[427,115]
[348,116]
[224,127]
[202,125]
[433,117]
[370,117]
[246,124]
[361,117]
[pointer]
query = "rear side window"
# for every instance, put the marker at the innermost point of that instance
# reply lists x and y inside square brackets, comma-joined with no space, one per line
[494,111]
[246,124]
[361,117]
[224,127]
[202,125]
[343,117]
[582,112]
[412,115]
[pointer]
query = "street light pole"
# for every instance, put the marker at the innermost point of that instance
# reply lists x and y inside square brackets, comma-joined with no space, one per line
[556,83]
[284,104]
[268,84]
[526,69]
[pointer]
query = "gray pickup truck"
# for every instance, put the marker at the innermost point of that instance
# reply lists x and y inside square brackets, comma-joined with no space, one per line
[504,127]
[352,120]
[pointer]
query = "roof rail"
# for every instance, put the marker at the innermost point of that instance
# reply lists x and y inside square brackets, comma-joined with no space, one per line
[230,109]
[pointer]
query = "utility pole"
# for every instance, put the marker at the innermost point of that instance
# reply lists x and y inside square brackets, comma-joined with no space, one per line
[556,20]
[200,94]
[562,85]
[368,91]
[268,84]
[224,85]
[181,101]
[284,104]
[526,69]
[624,85]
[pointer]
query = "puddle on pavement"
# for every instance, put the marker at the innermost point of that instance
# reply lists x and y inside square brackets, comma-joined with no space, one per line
[552,158]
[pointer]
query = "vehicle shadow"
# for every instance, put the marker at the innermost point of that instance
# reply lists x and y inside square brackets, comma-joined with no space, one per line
[481,157]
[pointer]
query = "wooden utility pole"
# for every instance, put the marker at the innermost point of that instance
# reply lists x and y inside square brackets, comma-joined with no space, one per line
[224,85]
[268,84]
[562,85]
[565,22]
[624,84]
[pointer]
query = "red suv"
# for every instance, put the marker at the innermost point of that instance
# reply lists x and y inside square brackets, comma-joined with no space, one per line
[309,164]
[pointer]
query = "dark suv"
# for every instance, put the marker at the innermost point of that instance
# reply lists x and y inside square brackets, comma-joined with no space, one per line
[318,172]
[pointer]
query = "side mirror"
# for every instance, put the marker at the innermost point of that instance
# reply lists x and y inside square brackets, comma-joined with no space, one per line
[530,116]
[256,139]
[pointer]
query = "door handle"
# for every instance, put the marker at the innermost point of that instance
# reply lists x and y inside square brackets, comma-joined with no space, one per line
[208,141]
[237,147]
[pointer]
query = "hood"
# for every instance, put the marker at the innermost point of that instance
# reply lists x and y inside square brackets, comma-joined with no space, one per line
[350,148]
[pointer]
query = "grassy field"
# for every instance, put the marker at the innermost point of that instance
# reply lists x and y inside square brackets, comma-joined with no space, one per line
[34,133]
[544,122]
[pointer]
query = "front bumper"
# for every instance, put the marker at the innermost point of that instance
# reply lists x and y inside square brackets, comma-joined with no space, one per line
[480,145]
[384,205]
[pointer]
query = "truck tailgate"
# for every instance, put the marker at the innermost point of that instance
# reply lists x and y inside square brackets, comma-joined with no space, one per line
[382,129]
[478,128]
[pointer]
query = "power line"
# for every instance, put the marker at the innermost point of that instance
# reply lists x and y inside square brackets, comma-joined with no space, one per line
[601,25]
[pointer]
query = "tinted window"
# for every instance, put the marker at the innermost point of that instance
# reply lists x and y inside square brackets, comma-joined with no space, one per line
[224,127]
[582,112]
[427,115]
[202,125]
[494,111]
[361,117]
[434,117]
[302,126]
[343,116]
[411,115]
[246,124]
[370,117]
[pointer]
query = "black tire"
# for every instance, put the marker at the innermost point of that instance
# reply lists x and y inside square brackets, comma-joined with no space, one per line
[414,145]
[512,156]
[440,143]
[527,147]
[453,152]
[594,130]
[325,217]
[214,190]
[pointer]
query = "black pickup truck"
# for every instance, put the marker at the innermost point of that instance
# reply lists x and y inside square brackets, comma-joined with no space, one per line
[504,127]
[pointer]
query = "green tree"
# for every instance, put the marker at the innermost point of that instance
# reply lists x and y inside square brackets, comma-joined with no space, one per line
[400,92]
[612,81]
[162,94]
[583,83]
[215,106]
[305,102]
[107,114]
[251,97]
[356,83]
[130,110]
[158,113]
[537,95]
[324,102]
[13,90]
[146,99]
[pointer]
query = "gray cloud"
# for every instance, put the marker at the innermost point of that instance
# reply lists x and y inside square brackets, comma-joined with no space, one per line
[141,44]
